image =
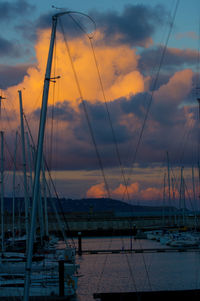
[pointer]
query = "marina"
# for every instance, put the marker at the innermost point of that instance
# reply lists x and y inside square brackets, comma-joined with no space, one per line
[91,208]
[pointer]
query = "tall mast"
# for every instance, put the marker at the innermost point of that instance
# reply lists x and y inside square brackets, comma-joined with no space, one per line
[26,199]
[1,97]
[39,158]
[169,187]
[198,163]
[39,154]
[182,197]
[194,197]
[14,173]
[45,200]
[173,198]
[164,197]
[30,165]
[2,191]
[2,182]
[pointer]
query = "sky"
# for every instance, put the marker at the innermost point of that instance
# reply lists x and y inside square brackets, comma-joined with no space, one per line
[122,105]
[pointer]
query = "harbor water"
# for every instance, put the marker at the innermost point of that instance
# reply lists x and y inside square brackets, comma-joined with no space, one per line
[126,272]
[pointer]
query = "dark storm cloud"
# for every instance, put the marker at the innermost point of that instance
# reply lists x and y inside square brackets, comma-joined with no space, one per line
[61,111]
[66,23]
[136,104]
[14,9]
[12,75]
[135,25]
[101,124]
[8,48]
[165,129]
[174,58]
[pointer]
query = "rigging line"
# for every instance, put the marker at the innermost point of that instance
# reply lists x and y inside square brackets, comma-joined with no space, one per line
[117,153]
[57,197]
[81,27]
[152,72]
[105,101]
[7,117]
[50,177]
[153,89]
[188,194]
[184,141]
[8,150]
[109,119]
[145,267]
[114,139]
[103,267]
[116,148]
[86,114]
[131,273]
[12,160]
[180,150]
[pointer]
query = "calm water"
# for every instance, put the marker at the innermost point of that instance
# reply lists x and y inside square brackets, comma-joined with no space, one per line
[134,272]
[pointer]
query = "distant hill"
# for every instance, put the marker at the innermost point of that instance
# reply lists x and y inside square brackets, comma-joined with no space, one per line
[94,205]
[103,204]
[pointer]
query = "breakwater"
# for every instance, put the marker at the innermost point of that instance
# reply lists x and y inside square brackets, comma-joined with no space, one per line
[107,223]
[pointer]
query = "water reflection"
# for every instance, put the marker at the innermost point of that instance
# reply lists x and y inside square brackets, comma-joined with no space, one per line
[136,271]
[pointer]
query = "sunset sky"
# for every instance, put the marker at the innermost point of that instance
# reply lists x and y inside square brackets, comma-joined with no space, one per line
[127,93]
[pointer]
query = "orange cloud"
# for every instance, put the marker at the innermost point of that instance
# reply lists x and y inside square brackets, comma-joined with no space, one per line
[121,191]
[97,191]
[134,191]
[117,65]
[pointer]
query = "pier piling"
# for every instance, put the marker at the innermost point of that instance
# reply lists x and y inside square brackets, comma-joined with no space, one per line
[79,243]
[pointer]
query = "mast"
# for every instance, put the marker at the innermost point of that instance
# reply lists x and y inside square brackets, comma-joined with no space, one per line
[45,200]
[14,173]
[182,197]
[26,199]
[169,187]
[198,163]
[2,191]
[39,158]
[173,198]
[30,165]
[194,197]
[39,154]
[1,97]
[164,196]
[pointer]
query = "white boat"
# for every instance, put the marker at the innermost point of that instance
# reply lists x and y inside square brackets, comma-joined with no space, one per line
[185,239]
[154,234]
[183,243]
